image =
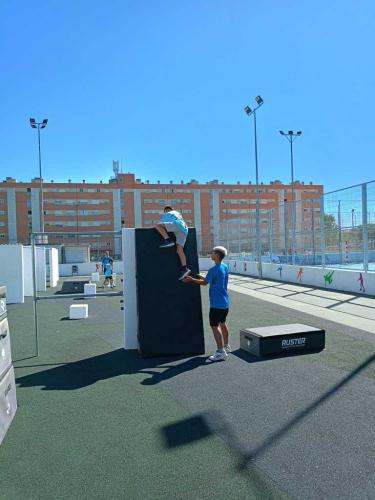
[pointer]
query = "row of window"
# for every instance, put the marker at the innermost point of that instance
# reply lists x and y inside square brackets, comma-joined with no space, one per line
[156,221]
[77,212]
[245,202]
[155,211]
[172,201]
[75,190]
[79,201]
[243,211]
[72,223]
[2,223]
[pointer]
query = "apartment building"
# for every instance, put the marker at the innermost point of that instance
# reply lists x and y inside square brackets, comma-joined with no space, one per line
[219,212]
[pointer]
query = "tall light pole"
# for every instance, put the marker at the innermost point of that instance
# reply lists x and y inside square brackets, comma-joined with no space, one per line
[291,137]
[249,112]
[40,125]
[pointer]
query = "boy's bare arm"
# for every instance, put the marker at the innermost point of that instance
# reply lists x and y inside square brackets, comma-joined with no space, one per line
[197,281]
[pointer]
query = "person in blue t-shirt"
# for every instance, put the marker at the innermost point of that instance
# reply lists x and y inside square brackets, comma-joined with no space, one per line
[217,278]
[172,222]
[106,260]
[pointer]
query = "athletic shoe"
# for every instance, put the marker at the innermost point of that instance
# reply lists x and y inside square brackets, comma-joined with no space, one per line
[184,272]
[228,349]
[167,243]
[219,356]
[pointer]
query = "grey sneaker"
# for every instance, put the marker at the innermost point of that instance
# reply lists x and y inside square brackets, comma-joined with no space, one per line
[219,356]
[184,272]
[228,349]
[167,243]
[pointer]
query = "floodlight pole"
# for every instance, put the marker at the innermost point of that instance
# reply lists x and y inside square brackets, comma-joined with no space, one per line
[40,125]
[250,112]
[291,137]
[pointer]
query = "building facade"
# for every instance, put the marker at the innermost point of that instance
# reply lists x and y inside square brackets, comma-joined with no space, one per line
[221,213]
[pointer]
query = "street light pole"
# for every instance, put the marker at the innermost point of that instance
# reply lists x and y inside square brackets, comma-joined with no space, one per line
[291,137]
[250,112]
[40,125]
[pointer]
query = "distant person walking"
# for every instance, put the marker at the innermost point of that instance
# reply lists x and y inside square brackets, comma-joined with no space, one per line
[173,222]
[106,260]
[217,278]
[108,272]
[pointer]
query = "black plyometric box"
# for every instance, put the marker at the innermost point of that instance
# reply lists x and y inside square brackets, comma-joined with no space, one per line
[282,339]
[170,319]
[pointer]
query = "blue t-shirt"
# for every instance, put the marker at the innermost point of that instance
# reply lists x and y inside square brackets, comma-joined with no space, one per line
[217,278]
[106,260]
[108,270]
[176,217]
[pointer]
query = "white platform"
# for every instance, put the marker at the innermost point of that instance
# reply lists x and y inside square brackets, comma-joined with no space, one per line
[11,272]
[8,401]
[95,277]
[78,311]
[89,289]
[5,352]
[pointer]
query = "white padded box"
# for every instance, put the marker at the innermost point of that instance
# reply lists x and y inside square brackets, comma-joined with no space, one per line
[89,289]
[95,277]
[3,300]
[79,311]
[8,401]
[5,352]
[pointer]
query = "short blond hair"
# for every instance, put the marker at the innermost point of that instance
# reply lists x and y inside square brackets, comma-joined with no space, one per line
[221,251]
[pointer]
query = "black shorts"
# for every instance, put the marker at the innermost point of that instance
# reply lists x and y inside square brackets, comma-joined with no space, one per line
[218,316]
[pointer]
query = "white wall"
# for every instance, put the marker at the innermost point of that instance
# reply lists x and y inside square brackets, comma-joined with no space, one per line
[53,266]
[41,270]
[11,272]
[28,289]
[130,290]
[343,279]
[86,268]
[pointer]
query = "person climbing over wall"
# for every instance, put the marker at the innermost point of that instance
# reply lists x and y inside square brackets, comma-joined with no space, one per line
[173,222]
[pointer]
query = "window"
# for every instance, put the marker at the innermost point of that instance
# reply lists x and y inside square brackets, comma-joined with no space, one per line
[72,223]
[2,223]
[78,201]
[171,201]
[2,212]
[2,235]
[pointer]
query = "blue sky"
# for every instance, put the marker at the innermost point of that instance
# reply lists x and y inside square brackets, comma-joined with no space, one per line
[161,85]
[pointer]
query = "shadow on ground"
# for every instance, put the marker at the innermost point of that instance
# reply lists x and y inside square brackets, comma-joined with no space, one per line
[85,372]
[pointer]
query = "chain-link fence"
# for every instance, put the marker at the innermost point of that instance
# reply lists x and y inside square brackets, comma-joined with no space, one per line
[334,230]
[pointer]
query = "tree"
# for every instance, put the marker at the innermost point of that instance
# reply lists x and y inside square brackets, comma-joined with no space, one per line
[331,230]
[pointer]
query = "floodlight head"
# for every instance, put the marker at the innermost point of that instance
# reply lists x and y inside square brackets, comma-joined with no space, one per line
[258,100]
[32,122]
[248,110]
[299,132]
[290,132]
[281,132]
[44,123]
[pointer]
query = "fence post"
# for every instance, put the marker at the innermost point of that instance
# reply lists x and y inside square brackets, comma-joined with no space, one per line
[340,235]
[270,233]
[322,231]
[364,227]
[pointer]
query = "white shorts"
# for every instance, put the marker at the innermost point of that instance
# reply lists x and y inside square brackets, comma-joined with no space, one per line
[171,227]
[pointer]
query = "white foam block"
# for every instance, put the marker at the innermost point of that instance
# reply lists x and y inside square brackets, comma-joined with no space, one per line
[5,352]
[78,311]
[89,289]
[8,401]
[95,277]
